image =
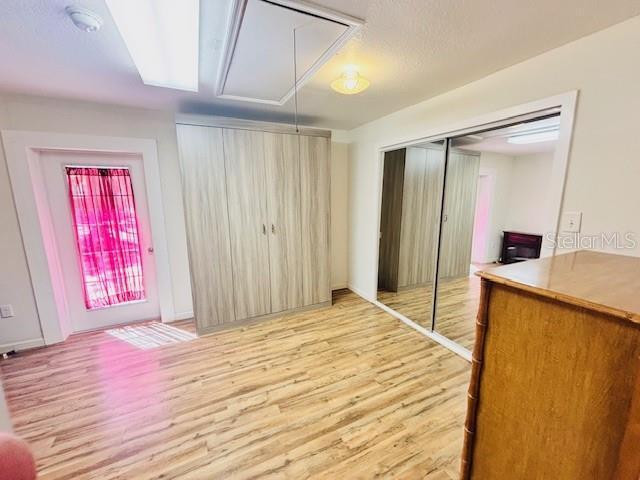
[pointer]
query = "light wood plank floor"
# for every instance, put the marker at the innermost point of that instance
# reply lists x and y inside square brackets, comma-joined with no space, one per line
[343,392]
[458,302]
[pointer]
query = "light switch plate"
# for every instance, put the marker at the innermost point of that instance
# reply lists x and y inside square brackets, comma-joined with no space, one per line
[6,311]
[571,221]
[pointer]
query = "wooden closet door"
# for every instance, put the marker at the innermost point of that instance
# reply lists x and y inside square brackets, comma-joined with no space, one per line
[413,221]
[207,223]
[246,190]
[283,200]
[421,215]
[391,219]
[434,183]
[315,217]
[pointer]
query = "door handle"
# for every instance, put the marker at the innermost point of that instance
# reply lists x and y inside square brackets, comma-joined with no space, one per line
[273,229]
[264,229]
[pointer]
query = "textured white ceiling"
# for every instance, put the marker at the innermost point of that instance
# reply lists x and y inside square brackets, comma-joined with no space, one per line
[411,50]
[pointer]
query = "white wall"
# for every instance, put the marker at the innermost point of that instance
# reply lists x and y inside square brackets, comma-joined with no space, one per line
[603,170]
[23,330]
[498,167]
[520,201]
[38,114]
[63,116]
[339,215]
[528,201]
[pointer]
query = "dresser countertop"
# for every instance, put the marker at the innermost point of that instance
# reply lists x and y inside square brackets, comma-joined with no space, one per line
[603,282]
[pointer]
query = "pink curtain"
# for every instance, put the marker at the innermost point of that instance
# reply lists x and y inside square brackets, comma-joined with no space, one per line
[106,228]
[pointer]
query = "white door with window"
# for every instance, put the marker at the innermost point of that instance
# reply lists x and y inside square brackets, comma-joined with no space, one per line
[101,228]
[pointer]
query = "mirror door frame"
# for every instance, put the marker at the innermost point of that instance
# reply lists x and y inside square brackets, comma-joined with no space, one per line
[565,103]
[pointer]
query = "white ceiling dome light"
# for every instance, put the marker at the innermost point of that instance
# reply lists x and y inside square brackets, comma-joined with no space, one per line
[350,82]
[84,19]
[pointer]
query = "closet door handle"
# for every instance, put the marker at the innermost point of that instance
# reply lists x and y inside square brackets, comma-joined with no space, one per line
[273,229]
[264,229]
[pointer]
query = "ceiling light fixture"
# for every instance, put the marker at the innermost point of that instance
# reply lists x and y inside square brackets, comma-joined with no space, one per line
[162,37]
[536,137]
[350,82]
[84,19]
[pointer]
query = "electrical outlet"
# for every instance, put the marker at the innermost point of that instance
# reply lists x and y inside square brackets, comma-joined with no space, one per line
[6,311]
[571,221]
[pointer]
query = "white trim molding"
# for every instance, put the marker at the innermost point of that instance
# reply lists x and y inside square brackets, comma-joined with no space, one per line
[22,345]
[187,315]
[22,149]
[242,124]
[435,336]
[565,103]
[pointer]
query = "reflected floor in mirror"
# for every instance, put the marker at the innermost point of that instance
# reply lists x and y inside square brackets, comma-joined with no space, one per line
[457,307]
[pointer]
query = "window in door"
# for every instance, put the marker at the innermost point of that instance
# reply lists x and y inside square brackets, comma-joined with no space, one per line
[106,232]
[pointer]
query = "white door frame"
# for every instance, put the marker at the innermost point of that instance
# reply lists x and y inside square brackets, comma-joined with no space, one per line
[566,102]
[22,150]
[490,176]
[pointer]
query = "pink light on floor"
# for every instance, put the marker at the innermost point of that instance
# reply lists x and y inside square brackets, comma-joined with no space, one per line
[137,382]
[151,335]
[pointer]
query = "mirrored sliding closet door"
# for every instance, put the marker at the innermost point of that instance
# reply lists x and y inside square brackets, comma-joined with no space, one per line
[412,190]
[457,288]
[495,212]
[454,206]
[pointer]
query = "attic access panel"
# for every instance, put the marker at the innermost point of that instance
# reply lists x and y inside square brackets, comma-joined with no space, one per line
[258,61]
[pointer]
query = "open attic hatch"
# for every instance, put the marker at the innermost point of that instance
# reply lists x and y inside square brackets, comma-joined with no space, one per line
[258,61]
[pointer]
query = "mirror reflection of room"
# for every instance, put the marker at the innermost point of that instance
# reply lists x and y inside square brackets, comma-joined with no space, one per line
[484,206]
[410,215]
[500,216]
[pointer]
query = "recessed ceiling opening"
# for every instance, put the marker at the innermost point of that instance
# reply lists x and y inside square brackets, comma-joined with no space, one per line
[257,65]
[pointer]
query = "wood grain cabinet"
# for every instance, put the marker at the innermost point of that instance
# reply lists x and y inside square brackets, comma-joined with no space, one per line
[284,224]
[207,223]
[555,386]
[314,203]
[459,212]
[256,199]
[412,197]
[245,171]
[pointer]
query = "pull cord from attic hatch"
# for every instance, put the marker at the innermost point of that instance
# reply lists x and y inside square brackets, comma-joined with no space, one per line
[295,83]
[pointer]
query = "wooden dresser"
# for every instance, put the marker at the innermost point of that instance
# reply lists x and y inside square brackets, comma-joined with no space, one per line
[555,386]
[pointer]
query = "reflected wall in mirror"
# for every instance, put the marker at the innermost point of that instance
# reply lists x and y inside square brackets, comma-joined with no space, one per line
[412,189]
[495,182]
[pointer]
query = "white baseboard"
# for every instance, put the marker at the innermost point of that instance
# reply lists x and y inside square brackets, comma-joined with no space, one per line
[360,293]
[435,336]
[188,315]
[23,345]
